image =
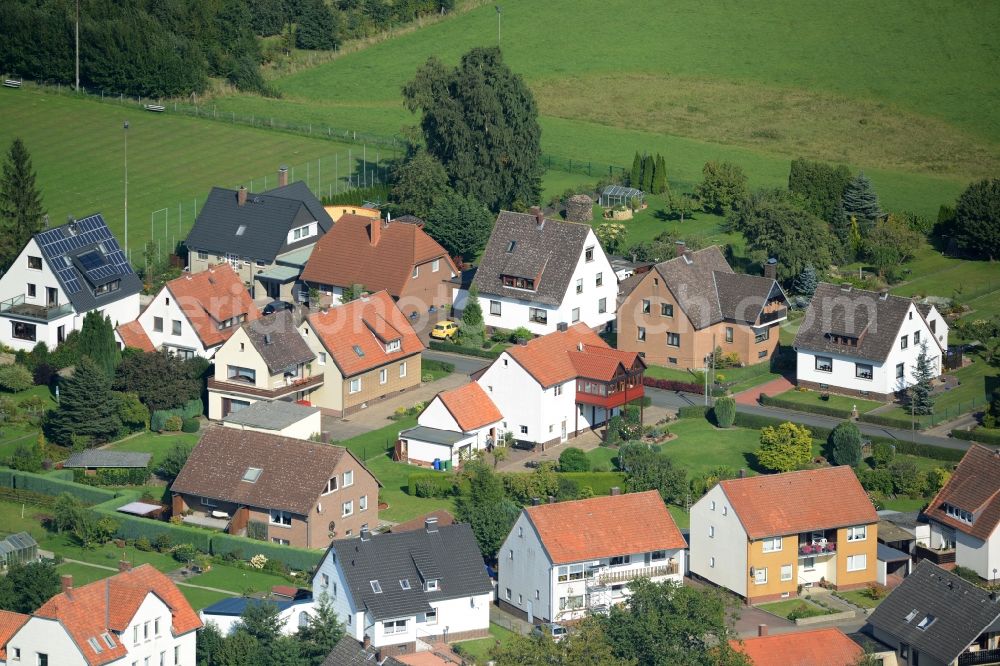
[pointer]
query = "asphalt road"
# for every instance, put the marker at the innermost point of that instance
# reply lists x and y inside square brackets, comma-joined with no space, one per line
[464,365]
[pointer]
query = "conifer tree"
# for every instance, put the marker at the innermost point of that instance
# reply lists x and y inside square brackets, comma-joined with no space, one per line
[660,176]
[21,211]
[648,166]
[84,407]
[97,340]
[635,177]
[805,282]
[921,396]
[860,199]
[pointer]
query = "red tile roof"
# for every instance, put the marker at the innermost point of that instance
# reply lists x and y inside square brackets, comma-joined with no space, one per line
[793,502]
[470,407]
[973,487]
[211,297]
[109,605]
[360,324]
[346,255]
[564,355]
[10,622]
[818,647]
[598,527]
[133,335]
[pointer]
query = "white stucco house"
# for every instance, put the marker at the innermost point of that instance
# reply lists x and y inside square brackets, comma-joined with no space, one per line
[964,516]
[537,273]
[401,591]
[564,560]
[62,274]
[558,385]
[454,425]
[137,616]
[225,614]
[866,343]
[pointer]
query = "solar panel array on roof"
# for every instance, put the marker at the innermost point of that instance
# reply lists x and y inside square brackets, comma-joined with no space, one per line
[58,244]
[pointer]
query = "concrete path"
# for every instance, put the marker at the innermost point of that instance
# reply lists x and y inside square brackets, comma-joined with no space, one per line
[517,459]
[773,387]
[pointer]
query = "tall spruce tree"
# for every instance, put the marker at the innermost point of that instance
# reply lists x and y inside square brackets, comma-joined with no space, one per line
[86,407]
[648,167]
[805,283]
[635,176]
[97,340]
[921,395]
[21,212]
[660,175]
[480,121]
[860,199]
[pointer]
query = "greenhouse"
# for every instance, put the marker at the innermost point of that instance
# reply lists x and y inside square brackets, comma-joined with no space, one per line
[19,548]
[619,195]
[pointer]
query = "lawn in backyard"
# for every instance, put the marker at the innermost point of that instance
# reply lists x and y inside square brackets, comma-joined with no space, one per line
[603,459]
[236,579]
[11,434]
[159,445]
[395,478]
[83,573]
[968,395]
[859,598]
[700,446]
[376,442]
[803,607]
[845,403]
[478,650]
[106,555]
[19,517]
[201,598]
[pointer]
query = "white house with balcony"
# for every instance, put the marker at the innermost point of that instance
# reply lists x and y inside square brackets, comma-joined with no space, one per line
[538,273]
[562,561]
[62,274]
[404,591]
[866,343]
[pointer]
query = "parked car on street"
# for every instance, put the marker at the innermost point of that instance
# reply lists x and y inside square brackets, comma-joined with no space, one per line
[277,306]
[558,631]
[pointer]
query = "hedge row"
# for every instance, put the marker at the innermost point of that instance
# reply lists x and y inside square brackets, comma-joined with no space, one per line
[600,482]
[673,385]
[113,476]
[50,484]
[693,411]
[444,481]
[903,423]
[26,497]
[298,559]
[825,410]
[462,349]
[188,410]
[981,435]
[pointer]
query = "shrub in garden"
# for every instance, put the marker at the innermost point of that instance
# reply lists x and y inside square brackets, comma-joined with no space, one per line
[173,424]
[143,544]
[725,412]
[845,444]
[574,460]
[184,552]
[15,378]
[162,542]
[190,425]
[882,454]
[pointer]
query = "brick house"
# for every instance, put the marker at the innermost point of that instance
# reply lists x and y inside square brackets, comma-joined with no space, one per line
[366,351]
[290,491]
[680,310]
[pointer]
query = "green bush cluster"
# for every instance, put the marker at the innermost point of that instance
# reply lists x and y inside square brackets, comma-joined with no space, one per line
[190,425]
[437,345]
[189,410]
[725,412]
[432,484]
[15,378]
[981,435]
[133,476]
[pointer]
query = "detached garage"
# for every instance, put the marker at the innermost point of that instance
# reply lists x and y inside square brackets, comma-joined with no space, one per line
[453,426]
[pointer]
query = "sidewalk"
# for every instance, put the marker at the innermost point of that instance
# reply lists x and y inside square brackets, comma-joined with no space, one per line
[771,388]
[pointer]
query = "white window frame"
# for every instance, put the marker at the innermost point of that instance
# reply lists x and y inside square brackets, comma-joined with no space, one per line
[347,509]
[332,485]
[788,568]
[496,308]
[435,265]
[278,518]
[383,375]
[575,315]
[579,285]
[772,545]
[355,385]
[857,533]
[854,558]
[363,503]
[402,369]
[321,358]
[349,478]
[760,576]
[828,368]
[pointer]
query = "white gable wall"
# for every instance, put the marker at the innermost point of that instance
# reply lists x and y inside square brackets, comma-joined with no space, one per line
[164,305]
[530,570]
[339,594]
[436,415]
[44,636]
[728,547]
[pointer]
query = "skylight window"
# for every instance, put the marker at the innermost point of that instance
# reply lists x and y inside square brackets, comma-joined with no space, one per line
[110,642]
[252,474]
[95,645]
[404,583]
[376,587]
[359,351]
[241,229]
[926,622]
[912,614]
[511,246]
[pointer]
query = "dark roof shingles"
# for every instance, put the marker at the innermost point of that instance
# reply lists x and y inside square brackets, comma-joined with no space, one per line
[278,341]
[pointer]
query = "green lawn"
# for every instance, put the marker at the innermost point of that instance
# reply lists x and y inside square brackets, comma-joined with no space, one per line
[83,573]
[395,478]
[16,517]
[603,459]
[680,516]
[200,598]
[375,442]
[478,650]
[859,598]
[107,555]
[237,580]
[11,434]
[700,446]
[838,401]
[783,608]
[157,444]
[968,395]
[675,374]
[905,504]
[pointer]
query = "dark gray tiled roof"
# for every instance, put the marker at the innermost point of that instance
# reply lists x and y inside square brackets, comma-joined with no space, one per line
[852,312]
[551,251]
[268,217]
[89,238]
[742,297]
[433,435]
[450,554]
[102,458]
[962,611]
[278,342]
[271,414]
[349,652]
[889,554]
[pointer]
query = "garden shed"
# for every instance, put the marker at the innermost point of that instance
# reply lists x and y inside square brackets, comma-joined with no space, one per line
[92,460]
[19,548]
[619,195]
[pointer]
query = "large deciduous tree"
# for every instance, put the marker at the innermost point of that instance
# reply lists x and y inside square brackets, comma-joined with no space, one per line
[890,243]
[421,181]
[461,224]
[723,184]
[646,469]
[21,212]
[27,586]
[976,222]
[480,121]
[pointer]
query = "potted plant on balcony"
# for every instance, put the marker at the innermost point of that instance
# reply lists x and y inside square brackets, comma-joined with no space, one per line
[807,549]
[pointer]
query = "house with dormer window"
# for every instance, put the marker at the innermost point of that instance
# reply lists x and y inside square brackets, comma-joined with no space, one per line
[366,350]
[538,273]
[564,560]
[60,275]
[403,591]
[292,492]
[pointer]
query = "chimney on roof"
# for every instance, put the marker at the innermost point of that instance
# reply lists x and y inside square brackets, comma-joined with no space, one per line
[743,473]
[615,491]
[846,287]
[535,501]
[762,630]
[375,231]
[365,534]
[367,643]
[66,583]
[680,247]
[241,195]
[562,326]
[539,216]
[431,524]
[883,295]
[124,565]
[771,269]
[282,176]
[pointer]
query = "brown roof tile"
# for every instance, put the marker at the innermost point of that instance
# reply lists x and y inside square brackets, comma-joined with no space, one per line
[211,297]
[470,406]
[293,474]
[346,255]
[133,335]
[108,605]
[604,526]
[814,499]
[361,323]
[973,487]
[10,622]
[818,647]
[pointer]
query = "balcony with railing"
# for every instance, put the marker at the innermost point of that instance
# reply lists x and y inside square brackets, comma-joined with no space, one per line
[17,307]
[773,311]
[937,556]
[621,390]
[817,549]
[610,576]
[980,658]
[279,388]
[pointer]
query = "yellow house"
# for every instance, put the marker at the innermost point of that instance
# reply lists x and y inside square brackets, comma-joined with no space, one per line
[765,536]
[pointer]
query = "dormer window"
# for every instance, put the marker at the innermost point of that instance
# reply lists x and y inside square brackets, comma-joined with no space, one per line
[108,287]
[431,585]
[958,514]
[393,346]
[301,232]
[518,282]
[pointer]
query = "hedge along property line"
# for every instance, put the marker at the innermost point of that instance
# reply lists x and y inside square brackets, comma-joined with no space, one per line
[188,410]
[981,435]
[825,410]
[600,482]
[673,385]
[892,421]
[461,349]
[757,422]
[52,485]
[298,559]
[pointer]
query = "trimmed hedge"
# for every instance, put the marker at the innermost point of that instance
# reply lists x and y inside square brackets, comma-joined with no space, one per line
[133,527]
[892,421]
[50,484]
[189,410]
[600,482]
[295,558]
[981,435]
[825,410]
[437,345]
[443,481]
[693,411]
[673,385]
